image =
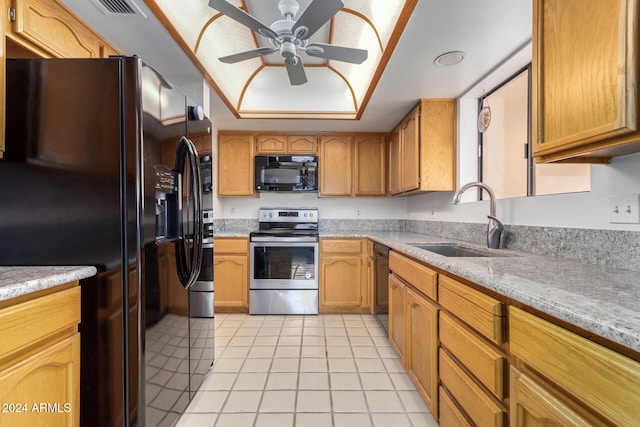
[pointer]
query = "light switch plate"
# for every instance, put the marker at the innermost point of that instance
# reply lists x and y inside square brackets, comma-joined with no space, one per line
[624,209]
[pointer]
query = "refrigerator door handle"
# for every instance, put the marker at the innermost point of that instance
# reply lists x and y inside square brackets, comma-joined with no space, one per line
[189,244]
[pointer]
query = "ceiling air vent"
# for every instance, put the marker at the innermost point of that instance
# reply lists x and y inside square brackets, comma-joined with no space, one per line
[119,8]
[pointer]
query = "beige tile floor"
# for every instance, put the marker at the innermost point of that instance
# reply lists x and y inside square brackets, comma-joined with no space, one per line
[305,371]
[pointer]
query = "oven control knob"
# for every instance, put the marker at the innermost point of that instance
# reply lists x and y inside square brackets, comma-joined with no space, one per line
[270,214]
[311,214]
[305,215]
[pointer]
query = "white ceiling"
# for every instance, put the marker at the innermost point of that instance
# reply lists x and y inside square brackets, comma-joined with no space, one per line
[488,31]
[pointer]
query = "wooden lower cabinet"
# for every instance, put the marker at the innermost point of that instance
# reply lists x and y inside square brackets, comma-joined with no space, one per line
[422,347]
[582,371]
[533,405]
[231,275]
[397,317]
[450,414]
[40,360]
[413,324]
[343,278]
[471,398]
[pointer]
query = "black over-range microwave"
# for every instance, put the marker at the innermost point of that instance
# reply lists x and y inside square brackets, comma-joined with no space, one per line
[286,173]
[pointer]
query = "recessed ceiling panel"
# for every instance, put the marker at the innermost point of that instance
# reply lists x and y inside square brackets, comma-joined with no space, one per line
[270,92]
[257,82]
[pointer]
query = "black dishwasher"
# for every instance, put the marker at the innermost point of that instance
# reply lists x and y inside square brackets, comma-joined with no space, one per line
[381,292]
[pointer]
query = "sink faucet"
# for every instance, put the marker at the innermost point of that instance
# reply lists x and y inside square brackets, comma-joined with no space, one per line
[494,228]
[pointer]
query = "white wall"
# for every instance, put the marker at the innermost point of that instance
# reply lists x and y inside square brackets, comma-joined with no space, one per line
[578,210]
[329,207]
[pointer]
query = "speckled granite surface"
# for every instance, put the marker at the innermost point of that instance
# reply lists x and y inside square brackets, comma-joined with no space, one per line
[18,281]
[600,299]
[589,278]
[605,247]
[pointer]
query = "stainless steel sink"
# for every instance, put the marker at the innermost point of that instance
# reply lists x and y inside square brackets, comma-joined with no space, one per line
[455,250]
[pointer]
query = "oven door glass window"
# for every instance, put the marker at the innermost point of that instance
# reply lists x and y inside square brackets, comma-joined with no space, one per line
[284,266]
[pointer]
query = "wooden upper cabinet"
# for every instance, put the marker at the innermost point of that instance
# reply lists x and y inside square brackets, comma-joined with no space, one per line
[302,144]
[422,149]
[394,162]
[585,72]
[370,165]
[271,144]
[235,165]
[281,145]
[410,149]
[51,30]
[335,164]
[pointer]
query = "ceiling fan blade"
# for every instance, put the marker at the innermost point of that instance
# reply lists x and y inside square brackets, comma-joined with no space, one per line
[295,69]
[242,17]
[249,54]
[339,53]
[318,13]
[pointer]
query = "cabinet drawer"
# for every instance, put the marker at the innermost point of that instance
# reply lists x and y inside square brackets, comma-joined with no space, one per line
[340,246]
[27,323]
[450,414]
[481,312]
[485,363]
[230,246]
[600,378]
[417,275]
[476,404]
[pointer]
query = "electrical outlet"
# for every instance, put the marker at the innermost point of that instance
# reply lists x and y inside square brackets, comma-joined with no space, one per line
[233,211]
[358,212]
[624,209]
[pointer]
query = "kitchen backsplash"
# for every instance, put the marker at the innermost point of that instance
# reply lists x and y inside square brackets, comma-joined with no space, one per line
[606,247]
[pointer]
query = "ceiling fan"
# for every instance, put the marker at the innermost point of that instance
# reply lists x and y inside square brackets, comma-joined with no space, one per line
[289,36]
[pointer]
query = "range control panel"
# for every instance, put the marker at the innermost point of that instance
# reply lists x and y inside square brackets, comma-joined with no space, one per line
[288,215]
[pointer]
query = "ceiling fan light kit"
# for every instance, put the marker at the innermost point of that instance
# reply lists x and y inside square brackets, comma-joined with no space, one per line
[288,36]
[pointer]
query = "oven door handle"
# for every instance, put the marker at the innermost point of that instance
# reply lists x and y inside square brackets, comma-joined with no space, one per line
[285,239]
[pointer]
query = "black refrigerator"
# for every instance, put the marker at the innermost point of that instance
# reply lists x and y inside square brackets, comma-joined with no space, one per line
[86,180]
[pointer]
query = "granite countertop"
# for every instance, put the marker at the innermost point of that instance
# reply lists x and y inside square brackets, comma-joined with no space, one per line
[599,299]
[18,281]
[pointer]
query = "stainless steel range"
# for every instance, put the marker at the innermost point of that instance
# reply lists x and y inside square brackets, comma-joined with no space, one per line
[284,262]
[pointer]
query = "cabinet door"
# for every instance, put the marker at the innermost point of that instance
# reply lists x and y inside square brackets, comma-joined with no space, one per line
[302,144]
[336,165]
[397,307]
[370,165]
[605,381]
[231,278]
[271,144]
[48,379]
[340,282]
[584,75]
[410,151]
[395,163]
[50,27]
[422,347]
[235,165]
[531,405]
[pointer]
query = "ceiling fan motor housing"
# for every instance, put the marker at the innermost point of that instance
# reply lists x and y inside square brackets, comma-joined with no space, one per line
[288,8]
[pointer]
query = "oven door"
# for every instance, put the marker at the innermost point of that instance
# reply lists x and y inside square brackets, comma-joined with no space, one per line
[284,263]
